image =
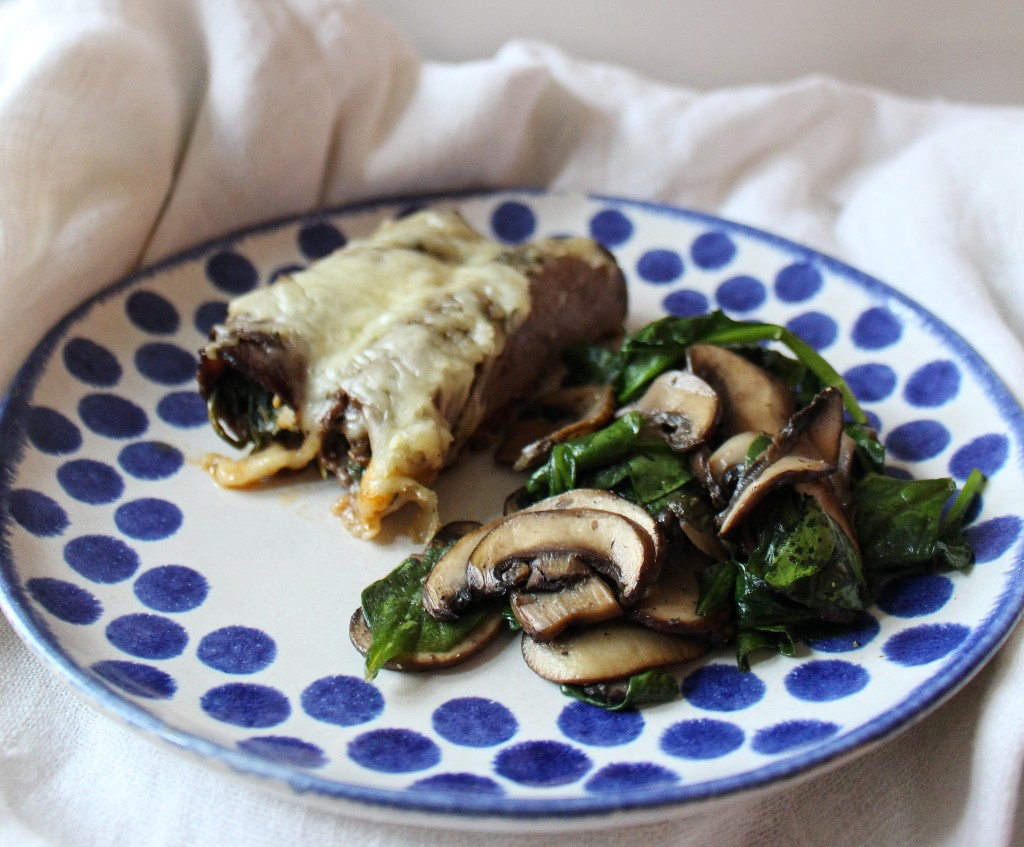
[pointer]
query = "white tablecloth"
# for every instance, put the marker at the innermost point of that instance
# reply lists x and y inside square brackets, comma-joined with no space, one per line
[129,130]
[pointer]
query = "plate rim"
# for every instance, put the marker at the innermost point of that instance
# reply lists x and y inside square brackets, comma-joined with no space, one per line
[32,628]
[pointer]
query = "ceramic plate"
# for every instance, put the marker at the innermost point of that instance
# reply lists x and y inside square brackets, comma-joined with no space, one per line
[217,620]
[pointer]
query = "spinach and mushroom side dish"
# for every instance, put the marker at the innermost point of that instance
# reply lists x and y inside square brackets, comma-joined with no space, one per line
[706,482]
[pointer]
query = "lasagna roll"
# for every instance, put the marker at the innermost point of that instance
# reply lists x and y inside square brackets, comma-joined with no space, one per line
[381,360]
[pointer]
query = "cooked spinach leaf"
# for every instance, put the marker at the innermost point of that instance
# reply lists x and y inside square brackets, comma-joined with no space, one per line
[900,524]
[397,620]
[654,686]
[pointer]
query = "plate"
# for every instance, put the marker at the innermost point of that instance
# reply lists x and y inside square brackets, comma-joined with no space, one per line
[217,620]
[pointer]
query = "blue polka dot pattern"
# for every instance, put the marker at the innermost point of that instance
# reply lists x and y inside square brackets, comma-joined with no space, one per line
[112,416]
[542,763]
[99,449]
[101,558]
[629,776]
[474,722]
[285,750]
[712,250]
[209,314]
[871,382]
[924,644]
[65,600]
[237,650]
[342,700]
[992,538]
[876,329]
[611,228]
[394,751]
[910,597]
[660,266]
[92,363]
[38,513]
[284,271]
[685,303]
[855,636]
[513,222]
[988,453]
[165,364]
[152,313]
[933,384]
[789,735]
[816,328]
[598,727]
[722,688]
[247,705]
[90,481]
[317,240]
[50,432]
[741,294]
[183,409]
[172,588]
[232,273]
[798,282]
[458,783]
[137,679]
[150,460]
[147,636]
[148,519]
[701,739]
[917,440]
[826,680]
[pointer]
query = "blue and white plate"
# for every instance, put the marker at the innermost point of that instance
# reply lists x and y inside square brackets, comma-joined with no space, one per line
[217,620]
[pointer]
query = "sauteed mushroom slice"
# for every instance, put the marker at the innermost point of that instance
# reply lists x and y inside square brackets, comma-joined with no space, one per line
[607,651]
[479,637]
[545,614]
[681,405]
[607,501]
[446,590]
[671,603]
[807,448]
[615,546]
[553,418]
[752,399]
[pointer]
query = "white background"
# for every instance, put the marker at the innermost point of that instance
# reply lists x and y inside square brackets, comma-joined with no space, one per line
[947,49]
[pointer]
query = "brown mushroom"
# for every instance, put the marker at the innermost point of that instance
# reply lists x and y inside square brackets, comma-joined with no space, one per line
[752,399]
[607,651]
[807,448]
[475,640]
[554,418]
[671,603]
[607,501]
[446,589]
[615,545]
[545,614]
[681,406]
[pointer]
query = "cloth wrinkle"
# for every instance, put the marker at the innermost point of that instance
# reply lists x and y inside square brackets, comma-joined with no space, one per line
[130,131]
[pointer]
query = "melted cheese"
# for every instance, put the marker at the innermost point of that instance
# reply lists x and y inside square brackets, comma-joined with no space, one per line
[403,323]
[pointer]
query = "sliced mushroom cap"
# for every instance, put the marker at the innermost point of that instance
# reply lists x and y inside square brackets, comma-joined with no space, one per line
[607,651]
[752,399]
[553,571]
[479,637]
[681,405]
[606,501]
[807,448]
[446,590]
[615,545]
[544,614]
[731,453]
[552,419]
[670,605]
